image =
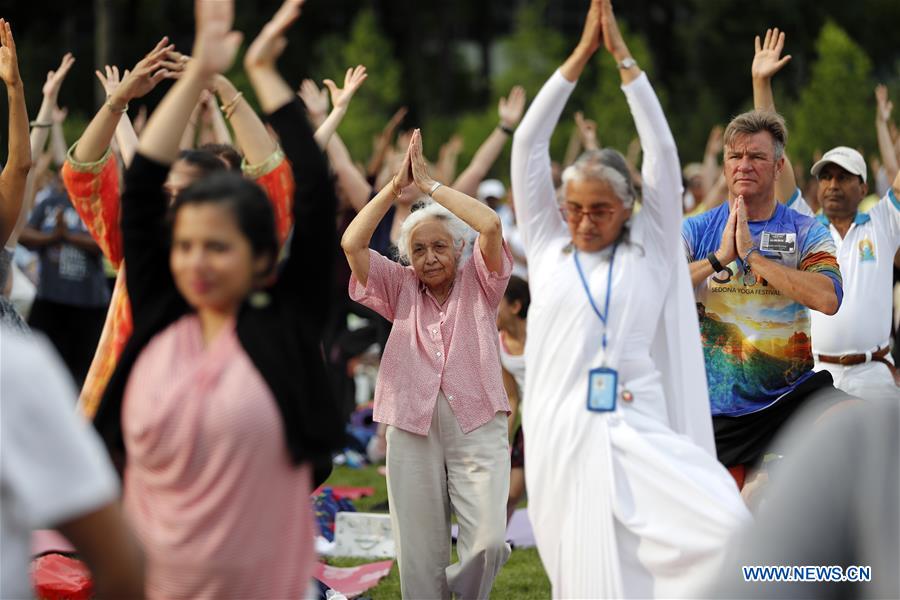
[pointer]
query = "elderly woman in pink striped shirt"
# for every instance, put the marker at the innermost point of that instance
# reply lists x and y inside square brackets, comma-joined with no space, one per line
[439,388]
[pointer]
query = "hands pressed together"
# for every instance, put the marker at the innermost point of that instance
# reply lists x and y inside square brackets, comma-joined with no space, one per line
[736,238]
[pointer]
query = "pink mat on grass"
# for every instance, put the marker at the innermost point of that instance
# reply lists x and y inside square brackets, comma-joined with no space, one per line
[352,581]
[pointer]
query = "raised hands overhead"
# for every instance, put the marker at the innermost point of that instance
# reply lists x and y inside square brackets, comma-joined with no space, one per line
[587,132]
[612,37]
[271,41]
[885,106]
[382,143]
[890,152]
[215,44]
[15,171]
[511,108]
[9,60]
[600,28]
[353,79]
[55,78]
[767,59]
[271,89]
[418,164]
[340,98]
[160,63]
[315,99]
[109,78]
[592,34]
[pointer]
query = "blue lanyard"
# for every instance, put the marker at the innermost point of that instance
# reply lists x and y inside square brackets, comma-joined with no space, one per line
[604,316]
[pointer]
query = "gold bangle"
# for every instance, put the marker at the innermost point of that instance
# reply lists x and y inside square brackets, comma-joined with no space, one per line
[228,109]
[115,108]
[394,188]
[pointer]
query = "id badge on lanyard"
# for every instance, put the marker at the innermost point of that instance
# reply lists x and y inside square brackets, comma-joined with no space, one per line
[603,382]
[602,385]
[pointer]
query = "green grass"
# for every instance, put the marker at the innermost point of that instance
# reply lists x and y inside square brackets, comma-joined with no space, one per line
[522,577]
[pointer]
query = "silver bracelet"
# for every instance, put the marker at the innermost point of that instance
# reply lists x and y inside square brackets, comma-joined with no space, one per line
[434,188]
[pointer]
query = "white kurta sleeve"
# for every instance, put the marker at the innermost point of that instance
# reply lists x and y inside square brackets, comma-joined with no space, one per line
[534,197]
[659,222]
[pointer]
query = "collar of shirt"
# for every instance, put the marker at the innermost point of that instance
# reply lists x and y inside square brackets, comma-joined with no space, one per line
[861,218]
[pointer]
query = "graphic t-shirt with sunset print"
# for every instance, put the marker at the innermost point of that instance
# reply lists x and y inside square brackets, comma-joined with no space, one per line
[756,341]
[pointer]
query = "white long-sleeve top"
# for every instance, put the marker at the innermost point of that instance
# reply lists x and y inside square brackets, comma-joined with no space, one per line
[561,320]
[598,480]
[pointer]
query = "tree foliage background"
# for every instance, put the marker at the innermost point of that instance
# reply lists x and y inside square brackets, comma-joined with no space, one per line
[450,61]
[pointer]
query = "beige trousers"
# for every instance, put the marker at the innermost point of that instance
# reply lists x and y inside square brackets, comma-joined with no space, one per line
[429,475]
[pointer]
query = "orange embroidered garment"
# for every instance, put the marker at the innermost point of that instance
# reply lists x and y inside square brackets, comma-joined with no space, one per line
[94,191]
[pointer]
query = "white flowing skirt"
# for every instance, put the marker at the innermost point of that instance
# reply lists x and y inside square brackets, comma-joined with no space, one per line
[621,505]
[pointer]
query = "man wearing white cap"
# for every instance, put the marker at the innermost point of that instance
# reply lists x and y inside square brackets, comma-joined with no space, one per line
[854,344]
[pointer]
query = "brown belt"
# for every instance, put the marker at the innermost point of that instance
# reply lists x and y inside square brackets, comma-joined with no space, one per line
[858,359]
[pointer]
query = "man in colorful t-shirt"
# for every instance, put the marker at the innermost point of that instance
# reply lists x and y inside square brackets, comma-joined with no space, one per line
[758,267]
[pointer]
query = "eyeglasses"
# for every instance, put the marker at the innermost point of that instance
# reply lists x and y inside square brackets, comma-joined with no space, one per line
[574,215]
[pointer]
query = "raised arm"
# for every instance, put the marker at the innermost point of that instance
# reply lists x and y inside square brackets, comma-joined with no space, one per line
[383,142]
[356,238]
[15,172]
[340,101]
[57,137]
[889,157]
[767,61]
[250,132]
[146,74]
[125,135]
[271,89]
[445,168]
[355,187]
[477,215]
[661,169]
[510,111]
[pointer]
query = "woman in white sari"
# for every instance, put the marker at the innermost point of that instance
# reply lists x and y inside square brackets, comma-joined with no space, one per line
[626,496]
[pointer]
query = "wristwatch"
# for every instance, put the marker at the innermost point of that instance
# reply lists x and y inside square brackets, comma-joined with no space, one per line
[627,63]
[718,268]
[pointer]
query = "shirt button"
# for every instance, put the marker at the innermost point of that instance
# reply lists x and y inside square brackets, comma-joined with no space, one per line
[440,354]
[434,331]
[450,397]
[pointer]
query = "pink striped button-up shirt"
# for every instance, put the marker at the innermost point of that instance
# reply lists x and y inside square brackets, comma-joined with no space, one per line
[451,347]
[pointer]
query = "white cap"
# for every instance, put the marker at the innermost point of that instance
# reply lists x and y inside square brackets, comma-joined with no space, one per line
[491,188]
[847,158]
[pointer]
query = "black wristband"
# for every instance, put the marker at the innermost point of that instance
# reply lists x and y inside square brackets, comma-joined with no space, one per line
[716,265]
[505,129]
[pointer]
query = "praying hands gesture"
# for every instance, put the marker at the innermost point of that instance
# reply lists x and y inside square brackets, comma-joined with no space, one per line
[476,214]
[600,26]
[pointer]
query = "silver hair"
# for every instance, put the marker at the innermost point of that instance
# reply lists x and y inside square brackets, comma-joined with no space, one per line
[592,170]
[429,209]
